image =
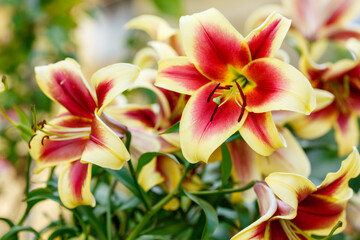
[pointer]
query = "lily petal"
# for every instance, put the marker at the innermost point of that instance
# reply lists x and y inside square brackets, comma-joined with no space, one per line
[290,188]
[336,184]
[104,148]
[199,136]
[53,150]
[260,132]
[149,176]
[245,166]
[112,80]
[74,185]
[291,159]
[179,75]
[212,44]
[268,206]
[316,124]
[346,133]
[318,214]
[64,83]
[133,116]
[156,27]
[265,40]
[278,86]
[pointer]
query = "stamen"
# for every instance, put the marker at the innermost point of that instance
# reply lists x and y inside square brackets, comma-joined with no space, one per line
[212,92]
[244,101]
[41,124]
[242,109]
[213,114]
[44,137]
[29,143]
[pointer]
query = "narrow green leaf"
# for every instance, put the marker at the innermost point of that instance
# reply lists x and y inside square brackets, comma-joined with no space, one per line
[95,223]
[147,157]
[8,221]
[173,128]
[25,125]
[62,230]
[212,220]
[16,229]
[126,179]
[226,164]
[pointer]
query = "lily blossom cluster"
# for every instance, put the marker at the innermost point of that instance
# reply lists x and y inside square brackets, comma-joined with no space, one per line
[216,96]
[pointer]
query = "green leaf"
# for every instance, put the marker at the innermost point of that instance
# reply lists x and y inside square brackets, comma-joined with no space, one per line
[62,230]
[212,220]
[16,229]
[97,225]
[126,179]
[170,7]
[147,157]
[25,125]
[226,164]
[173,128]
[8,221]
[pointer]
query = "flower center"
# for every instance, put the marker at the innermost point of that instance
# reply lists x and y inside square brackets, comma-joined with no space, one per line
[230,91]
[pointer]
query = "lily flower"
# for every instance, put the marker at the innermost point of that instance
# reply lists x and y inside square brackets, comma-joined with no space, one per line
[316,19]
[78,138]
[234,81]
[340,79]
[292,207]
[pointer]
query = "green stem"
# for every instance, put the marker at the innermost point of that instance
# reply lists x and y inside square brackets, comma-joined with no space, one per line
[144,199]
[7,118]
[225,191]
[158,206]
[28,164]
[108,210]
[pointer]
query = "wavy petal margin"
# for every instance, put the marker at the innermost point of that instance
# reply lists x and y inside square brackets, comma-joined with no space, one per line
[212,43]
[64,83]
[265,40]
[199,136]
[74,185]
[260,132]
[290,188]
[112,80]
[276,85]
[336,184]
[104,148]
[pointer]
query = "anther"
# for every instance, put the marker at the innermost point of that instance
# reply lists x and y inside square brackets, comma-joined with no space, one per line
[213,114]
[243,99]
[44,137]
[212,92]
[41,124]
[242,109]
[29,143]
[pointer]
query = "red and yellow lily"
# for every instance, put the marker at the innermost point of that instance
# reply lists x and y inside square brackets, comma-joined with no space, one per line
[234,81]
[341,79]
[316,19]
[292,207]
[78,137]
